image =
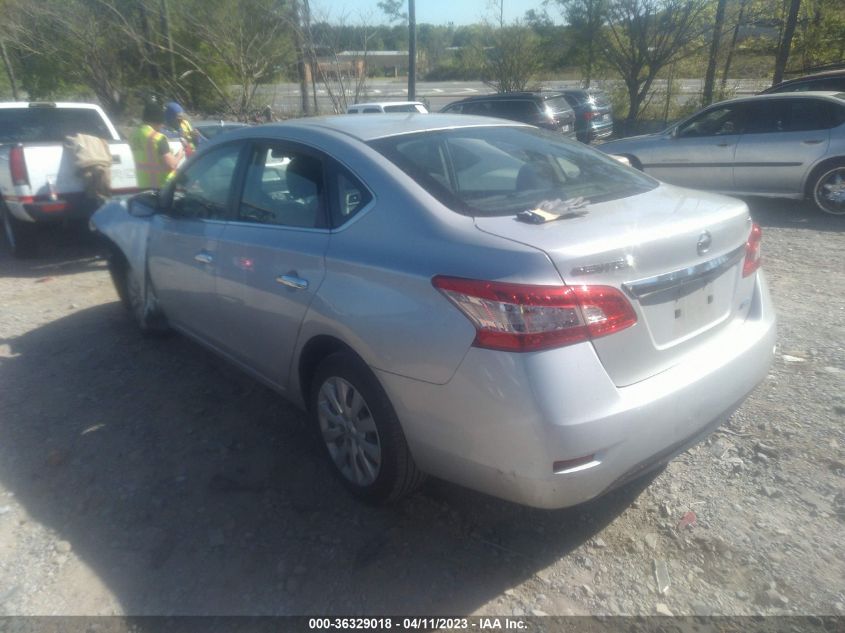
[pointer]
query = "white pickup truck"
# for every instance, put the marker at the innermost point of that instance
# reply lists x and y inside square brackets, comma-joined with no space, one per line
[38,178]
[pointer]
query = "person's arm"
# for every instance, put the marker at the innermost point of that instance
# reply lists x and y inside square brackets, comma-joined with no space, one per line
[170,159]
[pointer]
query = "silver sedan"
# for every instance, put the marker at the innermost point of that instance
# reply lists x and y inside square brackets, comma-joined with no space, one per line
[779,145]
[469,298]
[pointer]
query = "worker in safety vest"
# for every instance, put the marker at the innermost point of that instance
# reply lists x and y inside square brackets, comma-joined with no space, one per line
[154,162]
[176,119]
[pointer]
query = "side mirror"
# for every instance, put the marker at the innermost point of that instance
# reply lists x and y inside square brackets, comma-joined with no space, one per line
[673,133]
[144,204]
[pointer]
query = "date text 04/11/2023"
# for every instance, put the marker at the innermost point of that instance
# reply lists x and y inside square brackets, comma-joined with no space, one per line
[418,623]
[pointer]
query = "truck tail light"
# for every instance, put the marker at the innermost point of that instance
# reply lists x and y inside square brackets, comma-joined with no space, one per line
[589,115]
[17,165]
[525,318]
[753,253]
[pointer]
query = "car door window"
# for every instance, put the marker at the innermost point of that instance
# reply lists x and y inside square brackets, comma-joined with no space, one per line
[717,121]
[515,110]
[203,190]
[283,187]
[789,115]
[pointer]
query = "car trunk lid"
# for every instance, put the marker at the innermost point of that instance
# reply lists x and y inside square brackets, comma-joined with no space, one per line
[677,256]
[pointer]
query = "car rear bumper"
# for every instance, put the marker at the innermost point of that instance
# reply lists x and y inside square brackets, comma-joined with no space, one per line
[72,206]
[504,419]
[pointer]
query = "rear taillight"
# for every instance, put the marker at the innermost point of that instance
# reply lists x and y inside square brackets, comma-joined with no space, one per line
[589,115]
[524,318]
[752,251]
[17,166]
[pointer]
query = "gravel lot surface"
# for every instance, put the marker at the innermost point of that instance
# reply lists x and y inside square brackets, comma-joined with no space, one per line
[145,476]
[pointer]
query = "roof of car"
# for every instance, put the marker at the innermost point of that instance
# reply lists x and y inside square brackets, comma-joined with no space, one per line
[832,94]
[822,75]
[514,95]
[371,128]
[378,104]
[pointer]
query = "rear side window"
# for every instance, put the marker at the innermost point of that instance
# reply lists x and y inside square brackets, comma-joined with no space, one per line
[49,125]
[499,171]
[515,110]
[790,115]
[352,197]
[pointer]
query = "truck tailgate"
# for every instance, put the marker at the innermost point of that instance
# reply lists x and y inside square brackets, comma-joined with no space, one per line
[51,166]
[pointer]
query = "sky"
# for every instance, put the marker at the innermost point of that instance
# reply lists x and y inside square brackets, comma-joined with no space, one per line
[430,11]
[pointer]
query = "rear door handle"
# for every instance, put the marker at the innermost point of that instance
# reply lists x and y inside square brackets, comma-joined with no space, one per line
[204,257]
[813,141]
[292,282]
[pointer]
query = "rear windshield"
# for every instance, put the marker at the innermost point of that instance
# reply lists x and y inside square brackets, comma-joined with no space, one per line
[49,125]
[558,104]
[500,171]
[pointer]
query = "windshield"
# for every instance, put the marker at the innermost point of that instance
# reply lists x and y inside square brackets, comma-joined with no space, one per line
[499,171]
[49,125]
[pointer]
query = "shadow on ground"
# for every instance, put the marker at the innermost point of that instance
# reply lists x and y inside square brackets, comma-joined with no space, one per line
[62,250]
[191,489]
[792,214]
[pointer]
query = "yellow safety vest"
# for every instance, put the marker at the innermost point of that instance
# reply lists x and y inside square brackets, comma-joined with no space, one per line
[186,131]
[150,169]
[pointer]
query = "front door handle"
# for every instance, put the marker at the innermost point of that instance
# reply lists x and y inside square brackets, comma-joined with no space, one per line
[292,282]
[723,144]
[204,257]
[813,141]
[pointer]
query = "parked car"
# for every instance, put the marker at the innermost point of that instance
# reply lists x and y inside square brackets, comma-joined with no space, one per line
[475,299]
[548,110]
[789,145]
[39,182]
[593,114]
[210,129]
[387,106]
[829,81]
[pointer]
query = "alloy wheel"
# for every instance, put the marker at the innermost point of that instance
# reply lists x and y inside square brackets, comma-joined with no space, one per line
[829,192]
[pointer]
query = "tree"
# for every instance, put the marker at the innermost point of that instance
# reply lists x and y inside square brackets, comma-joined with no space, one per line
[786,41]
[587,18]
[645,36]
[732,47]
[513,60]
[710,75]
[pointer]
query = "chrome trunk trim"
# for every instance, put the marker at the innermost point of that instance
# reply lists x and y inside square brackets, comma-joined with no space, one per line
[643,288]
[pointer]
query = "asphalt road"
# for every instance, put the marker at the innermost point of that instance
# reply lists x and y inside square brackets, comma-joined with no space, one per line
[285,97]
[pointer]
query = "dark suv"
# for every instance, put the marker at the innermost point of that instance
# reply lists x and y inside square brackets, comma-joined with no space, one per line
[593,114]
[550,110]
[833,80]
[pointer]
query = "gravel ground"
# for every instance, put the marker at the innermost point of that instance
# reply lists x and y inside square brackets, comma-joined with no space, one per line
[145,476]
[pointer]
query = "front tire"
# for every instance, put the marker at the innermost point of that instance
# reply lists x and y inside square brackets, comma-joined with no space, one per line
[20,236]
[828,189]
[143,310]
[360,431]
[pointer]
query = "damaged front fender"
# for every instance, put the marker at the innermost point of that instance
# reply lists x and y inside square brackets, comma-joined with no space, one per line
[128,233]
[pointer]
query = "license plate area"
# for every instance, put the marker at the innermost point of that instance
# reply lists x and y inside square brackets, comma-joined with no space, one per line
[679,313]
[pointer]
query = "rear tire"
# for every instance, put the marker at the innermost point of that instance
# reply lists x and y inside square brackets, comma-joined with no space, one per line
[828,188]
[21,237]
[360,431]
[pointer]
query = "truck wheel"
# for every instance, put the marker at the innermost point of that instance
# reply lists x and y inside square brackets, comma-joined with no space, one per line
[360,431]
[20,236]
